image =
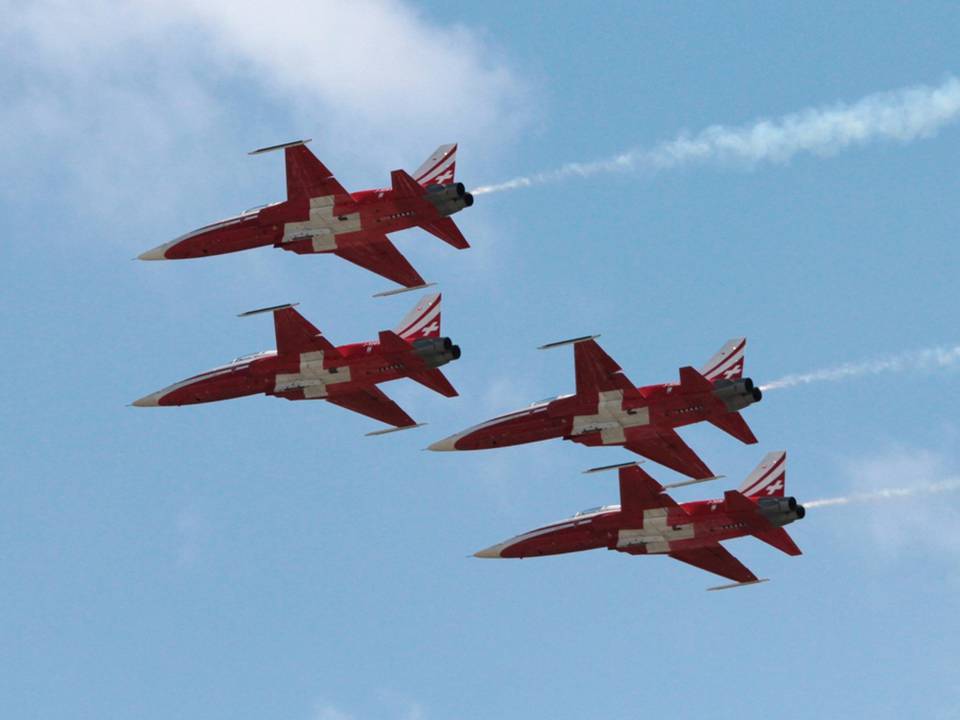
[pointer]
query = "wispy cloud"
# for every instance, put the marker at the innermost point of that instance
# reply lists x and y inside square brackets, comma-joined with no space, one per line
[916,360]
[902,115]
[404,711]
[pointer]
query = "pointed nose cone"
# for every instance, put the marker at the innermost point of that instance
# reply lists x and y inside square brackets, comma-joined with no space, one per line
[491,552]
[158,253]
[151,400]
[446,444]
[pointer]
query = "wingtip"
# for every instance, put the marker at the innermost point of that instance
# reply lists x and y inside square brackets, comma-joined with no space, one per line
[398,291]
[730,586]
[386,431]
[281,146]
[571,341]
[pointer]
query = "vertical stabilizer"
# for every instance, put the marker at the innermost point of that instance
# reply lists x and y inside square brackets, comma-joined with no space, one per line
[769,478]
[423,321]
[439,168]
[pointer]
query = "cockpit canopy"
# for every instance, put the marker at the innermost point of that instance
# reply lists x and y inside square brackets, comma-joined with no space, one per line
[251,356]
[547,401]
[595,510]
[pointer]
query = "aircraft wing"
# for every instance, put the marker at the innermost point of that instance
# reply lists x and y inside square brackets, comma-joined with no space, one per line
[639,492]
[666,447]
[596,371]
[372,402]
[716,559]
[296,334]
[381,256]
[307,177]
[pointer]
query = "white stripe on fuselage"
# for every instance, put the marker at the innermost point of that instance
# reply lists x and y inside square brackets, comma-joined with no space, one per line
[323,226]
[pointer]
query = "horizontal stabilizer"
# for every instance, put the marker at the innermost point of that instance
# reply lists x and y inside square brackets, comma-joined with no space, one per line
[739,584]
[734,424]
[436,381]
[281,146]
[572,341]
[248,313]
[447,230]
[386,431]
[780,539]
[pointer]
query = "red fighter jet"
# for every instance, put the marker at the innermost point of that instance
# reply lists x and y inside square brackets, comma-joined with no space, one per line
[320,216]
[307,366]
[608,409]
[649,522]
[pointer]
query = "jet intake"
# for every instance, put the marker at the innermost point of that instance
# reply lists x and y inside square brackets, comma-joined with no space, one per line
[737,395]
[436,351]
[448,199]
[781,511]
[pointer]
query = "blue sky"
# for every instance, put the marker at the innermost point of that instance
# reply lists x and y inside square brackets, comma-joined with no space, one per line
[260,558]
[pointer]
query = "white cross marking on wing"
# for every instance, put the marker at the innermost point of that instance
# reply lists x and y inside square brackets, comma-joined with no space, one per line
[432,327]
[773,487]
[443,177]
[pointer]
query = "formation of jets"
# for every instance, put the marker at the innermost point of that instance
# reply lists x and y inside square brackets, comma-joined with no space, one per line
[606,409]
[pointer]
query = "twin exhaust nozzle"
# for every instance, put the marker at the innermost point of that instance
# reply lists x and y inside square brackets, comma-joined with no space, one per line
[449,199]
[737,394]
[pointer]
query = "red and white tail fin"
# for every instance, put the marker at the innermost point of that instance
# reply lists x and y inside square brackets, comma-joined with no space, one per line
[438,169]
[727,364]
[423,321]
[769,479]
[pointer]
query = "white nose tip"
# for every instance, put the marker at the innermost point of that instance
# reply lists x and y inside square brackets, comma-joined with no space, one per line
[491,552]
[151,400]
[158,253]
[446,444]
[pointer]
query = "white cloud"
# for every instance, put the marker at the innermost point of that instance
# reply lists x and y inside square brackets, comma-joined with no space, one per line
[377,68]
[133,108]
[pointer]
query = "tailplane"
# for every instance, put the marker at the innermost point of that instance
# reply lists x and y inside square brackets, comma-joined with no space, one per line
[734,424]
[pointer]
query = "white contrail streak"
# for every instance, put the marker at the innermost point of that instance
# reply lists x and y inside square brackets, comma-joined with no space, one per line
[901,115]
[927,359]
[888,494]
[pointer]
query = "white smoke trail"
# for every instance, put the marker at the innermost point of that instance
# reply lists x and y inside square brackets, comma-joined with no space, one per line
[902,115]
[926,359]
[888,494]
